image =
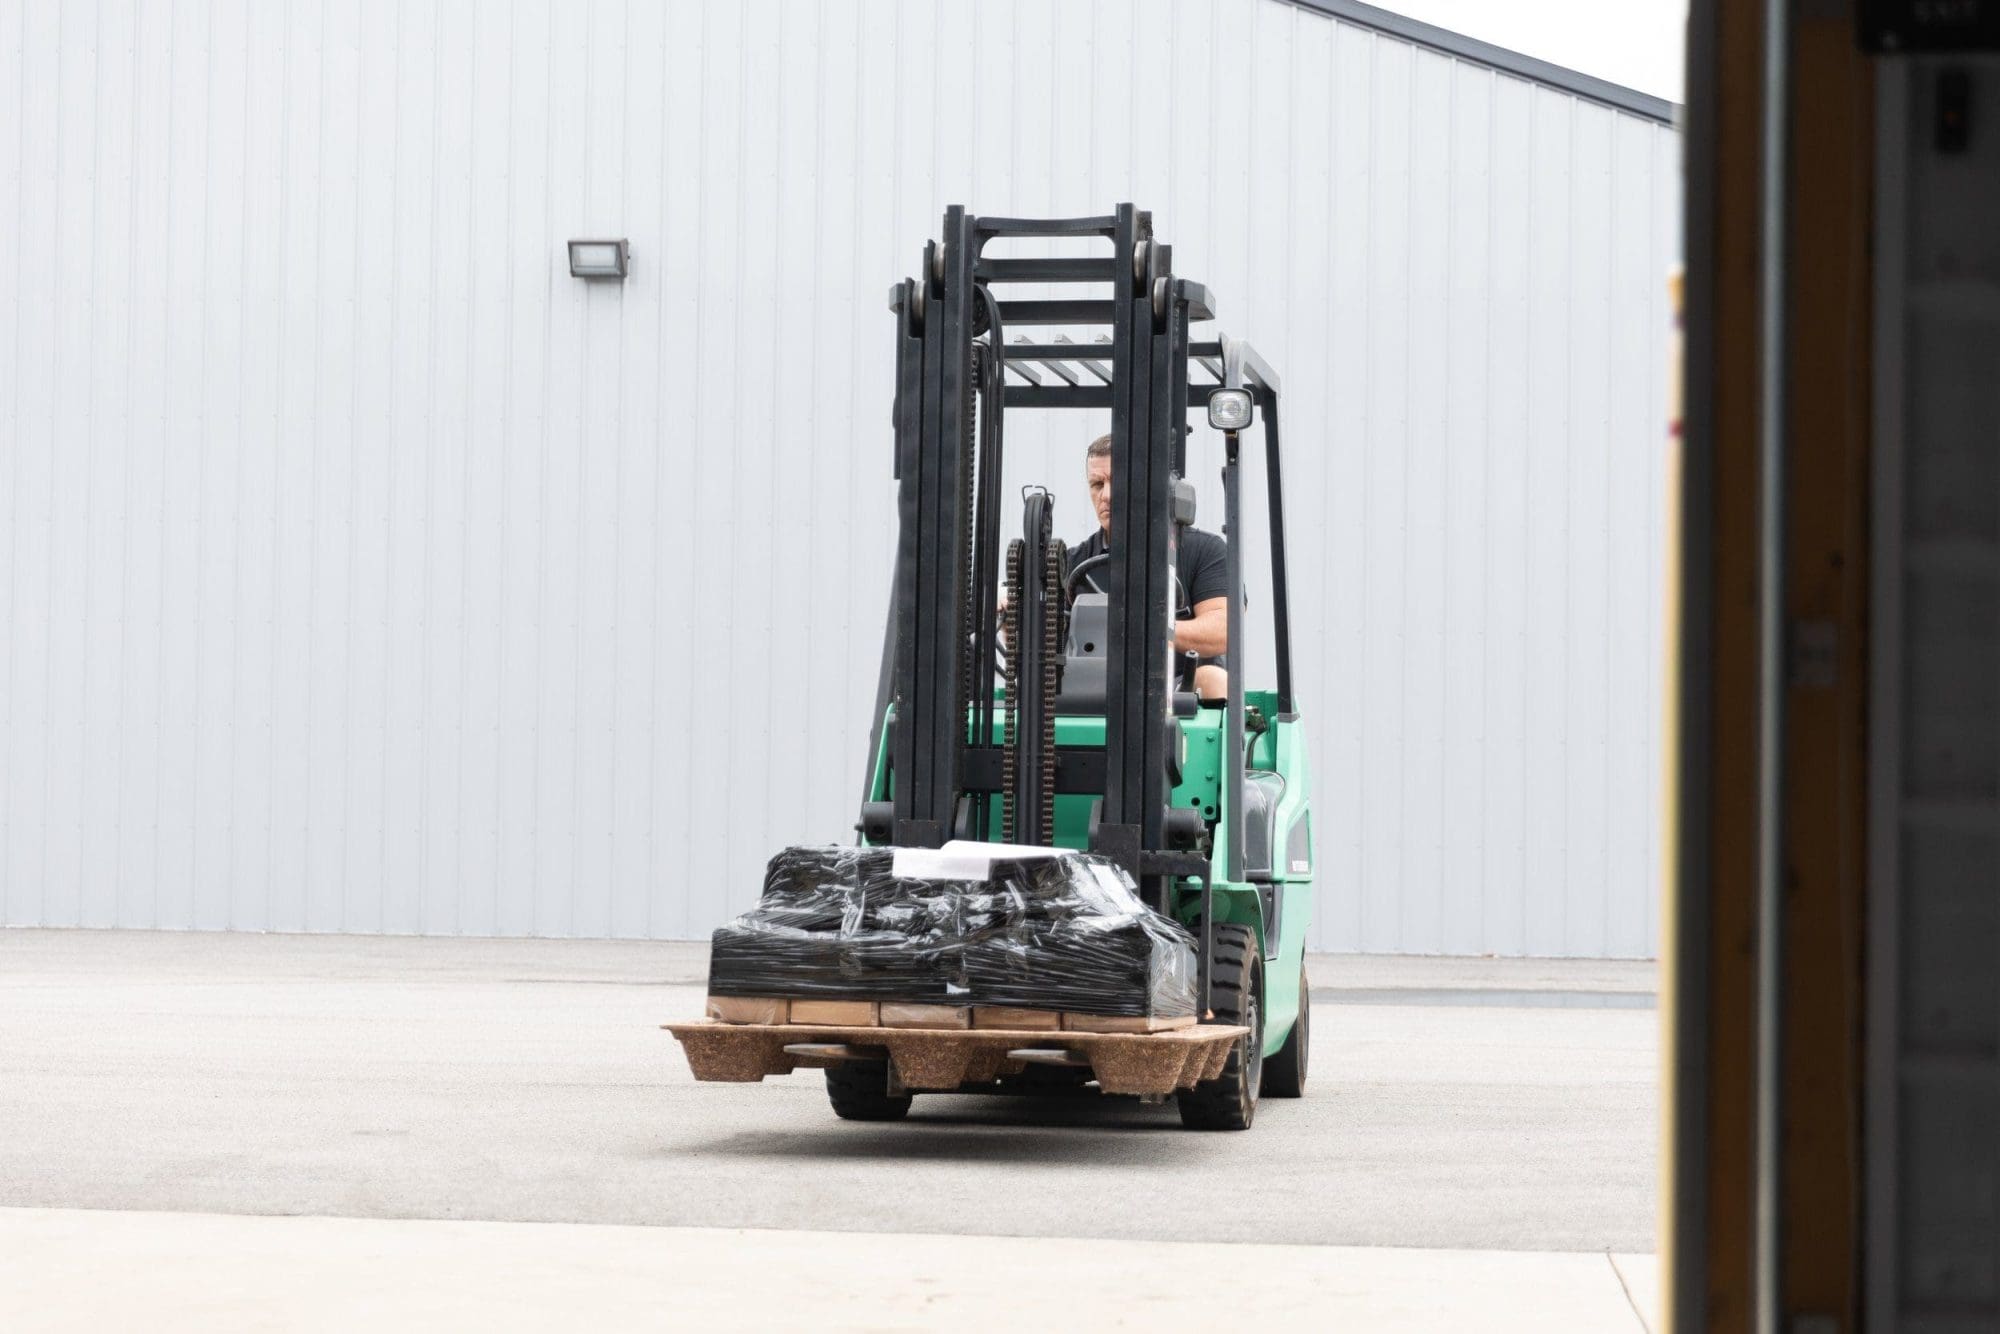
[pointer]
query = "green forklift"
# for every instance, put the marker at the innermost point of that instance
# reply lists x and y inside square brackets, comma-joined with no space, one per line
[1073,724]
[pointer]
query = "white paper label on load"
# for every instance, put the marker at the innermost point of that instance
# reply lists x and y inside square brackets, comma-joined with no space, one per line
[963,859]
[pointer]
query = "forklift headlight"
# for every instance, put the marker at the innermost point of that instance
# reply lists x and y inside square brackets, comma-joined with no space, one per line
[1229,409]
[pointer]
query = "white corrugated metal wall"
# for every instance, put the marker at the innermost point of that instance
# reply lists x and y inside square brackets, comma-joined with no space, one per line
[363,571]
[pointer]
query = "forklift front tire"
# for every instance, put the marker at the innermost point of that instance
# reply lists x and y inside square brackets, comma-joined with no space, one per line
[859,1091]
[1236,983]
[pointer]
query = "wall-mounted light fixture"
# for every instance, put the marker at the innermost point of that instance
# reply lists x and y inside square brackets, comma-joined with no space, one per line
[599,259]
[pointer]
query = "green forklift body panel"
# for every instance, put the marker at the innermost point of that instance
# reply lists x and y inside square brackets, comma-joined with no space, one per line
[1278,906]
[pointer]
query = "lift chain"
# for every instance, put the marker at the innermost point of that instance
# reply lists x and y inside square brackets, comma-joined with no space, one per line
[1009,673]
[968,592]
[1054,617]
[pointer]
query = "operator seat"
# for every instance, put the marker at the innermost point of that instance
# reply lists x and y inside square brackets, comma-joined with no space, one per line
[1084,660]
[1262,791]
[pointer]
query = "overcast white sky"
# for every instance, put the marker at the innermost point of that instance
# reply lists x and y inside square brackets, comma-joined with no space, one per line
[1633,42]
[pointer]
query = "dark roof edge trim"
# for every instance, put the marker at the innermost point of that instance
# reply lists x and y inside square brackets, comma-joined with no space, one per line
[1450,43]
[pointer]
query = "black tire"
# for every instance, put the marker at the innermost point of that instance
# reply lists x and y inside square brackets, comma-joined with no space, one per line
[859,1091]
[1236,984]
[1285,1073]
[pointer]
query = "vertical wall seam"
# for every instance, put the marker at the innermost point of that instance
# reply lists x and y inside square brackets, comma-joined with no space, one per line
[857,248]
[467,436]
[1252,28]
[8,823]
[91,413]
[689,755]
[427,729]
[1656,570]
[815,363]
[1367,497]
[202,452]
[48,512]
[620,434]
[540,620]
[502,658]
[130,442]
[1569,524]
[277,445]
[738,302]
[1319,863]
[1402,711]
[160,553]
[240,519]
[1527,544]
[1173,103]
[658,512]
[578,629]
[1096,119]
[390,528]
[780,266]
[343,883]
[316,444]
[1603,437]
[1486,564]
[1444,814]
[1289,214]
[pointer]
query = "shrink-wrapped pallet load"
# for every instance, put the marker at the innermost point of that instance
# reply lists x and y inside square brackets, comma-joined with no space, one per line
[966,927]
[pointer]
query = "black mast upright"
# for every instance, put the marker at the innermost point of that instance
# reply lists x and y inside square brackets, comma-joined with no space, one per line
[934,421]
[948,548]
[1142,555]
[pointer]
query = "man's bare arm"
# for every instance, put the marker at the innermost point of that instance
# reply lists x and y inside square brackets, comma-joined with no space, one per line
[1207,632]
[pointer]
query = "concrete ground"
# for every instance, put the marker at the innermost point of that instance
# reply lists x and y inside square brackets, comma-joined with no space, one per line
[86,1271]
[1475,1110]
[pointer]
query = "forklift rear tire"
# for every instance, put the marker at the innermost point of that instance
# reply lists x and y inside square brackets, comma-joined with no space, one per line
[1236,984]
[1285,1073]
[859,1091]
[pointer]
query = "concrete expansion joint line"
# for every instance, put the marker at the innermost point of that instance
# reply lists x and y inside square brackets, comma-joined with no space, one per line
[1626,1288]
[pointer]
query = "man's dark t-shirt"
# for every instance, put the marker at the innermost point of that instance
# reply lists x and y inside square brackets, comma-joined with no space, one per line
[1202,573]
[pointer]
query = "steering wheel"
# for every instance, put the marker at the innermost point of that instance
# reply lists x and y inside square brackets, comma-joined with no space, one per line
[1082,568]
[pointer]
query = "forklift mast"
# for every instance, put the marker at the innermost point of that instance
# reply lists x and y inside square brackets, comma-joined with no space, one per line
[953,386]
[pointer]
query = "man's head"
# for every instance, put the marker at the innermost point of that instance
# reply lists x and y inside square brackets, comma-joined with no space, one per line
[1097,475]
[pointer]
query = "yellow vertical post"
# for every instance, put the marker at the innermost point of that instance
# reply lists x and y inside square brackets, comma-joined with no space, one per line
[1670,768]
[1711,1182]
[1708,1239]
[1826,696]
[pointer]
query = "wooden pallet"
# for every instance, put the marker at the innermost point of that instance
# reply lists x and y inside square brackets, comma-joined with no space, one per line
[889,1014]
[1153,1064]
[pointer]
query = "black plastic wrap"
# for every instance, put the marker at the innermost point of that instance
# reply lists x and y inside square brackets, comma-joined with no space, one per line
[1080,939]
[835,922]
[1046,931]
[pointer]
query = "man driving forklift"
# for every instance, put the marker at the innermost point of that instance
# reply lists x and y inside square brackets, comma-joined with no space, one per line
[1201,585]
